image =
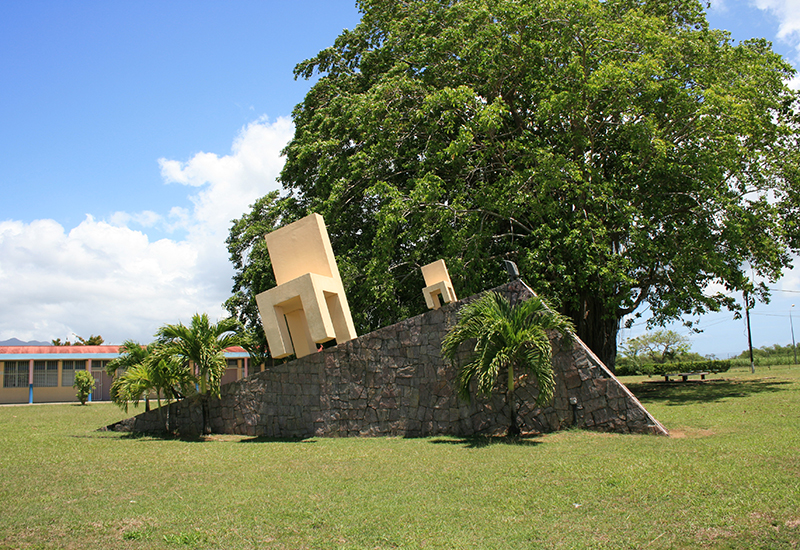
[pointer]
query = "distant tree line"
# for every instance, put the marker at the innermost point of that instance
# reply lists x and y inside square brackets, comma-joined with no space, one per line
[80,341]
[773,351]
[665,351]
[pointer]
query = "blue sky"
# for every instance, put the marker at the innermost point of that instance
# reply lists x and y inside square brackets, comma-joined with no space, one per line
[131,134]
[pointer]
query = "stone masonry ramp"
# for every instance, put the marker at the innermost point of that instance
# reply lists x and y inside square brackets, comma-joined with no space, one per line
[394,382]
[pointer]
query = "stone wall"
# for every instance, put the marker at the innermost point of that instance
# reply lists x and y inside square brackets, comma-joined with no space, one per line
[393,382]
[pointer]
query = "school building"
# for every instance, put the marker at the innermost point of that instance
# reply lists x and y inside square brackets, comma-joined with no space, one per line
[44,374]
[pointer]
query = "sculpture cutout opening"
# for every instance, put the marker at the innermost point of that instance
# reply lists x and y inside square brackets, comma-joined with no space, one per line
[438,287]
[308,307]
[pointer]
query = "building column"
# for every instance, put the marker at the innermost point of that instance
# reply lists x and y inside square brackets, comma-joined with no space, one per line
[30,381]
[89,368]
[246,372]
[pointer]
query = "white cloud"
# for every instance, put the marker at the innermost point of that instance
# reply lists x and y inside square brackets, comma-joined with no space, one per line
[718,6]
[147,218]
[787,12]
[231,183]
[104,277]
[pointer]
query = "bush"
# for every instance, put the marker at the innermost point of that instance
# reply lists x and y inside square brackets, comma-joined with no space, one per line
[632,369]
[709,365]
[625,368]
[84,382]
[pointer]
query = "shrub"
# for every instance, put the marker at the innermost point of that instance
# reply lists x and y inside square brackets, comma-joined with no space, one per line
[632,369]
[84,383]
[707,365]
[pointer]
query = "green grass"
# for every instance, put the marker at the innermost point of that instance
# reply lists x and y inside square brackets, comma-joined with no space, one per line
[729,478]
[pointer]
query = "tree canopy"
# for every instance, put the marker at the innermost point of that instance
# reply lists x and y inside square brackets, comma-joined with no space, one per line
[659,346]
[80,341]
[620,152]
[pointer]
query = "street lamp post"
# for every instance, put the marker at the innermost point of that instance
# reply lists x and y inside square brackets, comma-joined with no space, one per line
[794,346]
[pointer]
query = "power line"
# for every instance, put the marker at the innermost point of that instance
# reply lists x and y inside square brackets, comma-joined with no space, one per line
[769,314]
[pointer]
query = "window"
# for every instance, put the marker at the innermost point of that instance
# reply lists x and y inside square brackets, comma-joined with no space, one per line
[99,367]
[233,363]
[68,370]
[15,374]
[45,374]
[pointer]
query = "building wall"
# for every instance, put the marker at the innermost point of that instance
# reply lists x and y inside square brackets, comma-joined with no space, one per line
[63,390]
[14,395]
[394,382]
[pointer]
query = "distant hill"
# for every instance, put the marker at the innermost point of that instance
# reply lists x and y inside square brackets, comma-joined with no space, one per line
[18,342]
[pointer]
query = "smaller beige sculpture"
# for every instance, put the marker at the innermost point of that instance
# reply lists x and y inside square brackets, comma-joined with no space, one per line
[308,307]
[438,286]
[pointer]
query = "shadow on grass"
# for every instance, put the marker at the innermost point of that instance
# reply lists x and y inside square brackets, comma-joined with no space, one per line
[265,439]
[481,441]
[162,436]
[689,393]
[211,438]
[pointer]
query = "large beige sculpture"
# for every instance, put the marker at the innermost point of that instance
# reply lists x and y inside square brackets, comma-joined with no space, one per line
[437,285]
[308,307]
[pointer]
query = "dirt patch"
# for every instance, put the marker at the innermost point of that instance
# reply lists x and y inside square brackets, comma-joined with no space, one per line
[712,534]
[691,433]
[223,437]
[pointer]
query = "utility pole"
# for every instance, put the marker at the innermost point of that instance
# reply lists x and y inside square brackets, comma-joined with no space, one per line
[749,335]
[794,346]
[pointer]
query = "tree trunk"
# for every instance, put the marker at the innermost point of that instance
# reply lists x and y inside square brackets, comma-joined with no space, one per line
[206,423]
[160,412]
[597,328]
[513,428]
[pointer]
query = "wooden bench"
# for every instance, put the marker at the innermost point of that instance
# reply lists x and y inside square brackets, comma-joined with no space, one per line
[685,375]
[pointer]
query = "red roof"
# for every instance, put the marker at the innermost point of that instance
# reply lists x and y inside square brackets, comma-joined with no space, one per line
[77,349]
[59,349]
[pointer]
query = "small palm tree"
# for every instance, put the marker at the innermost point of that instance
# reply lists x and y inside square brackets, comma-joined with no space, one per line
[167,377]
[131,354]
[202,343]
[507,337]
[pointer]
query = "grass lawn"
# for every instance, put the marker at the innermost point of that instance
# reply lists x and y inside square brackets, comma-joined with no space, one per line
[728,478]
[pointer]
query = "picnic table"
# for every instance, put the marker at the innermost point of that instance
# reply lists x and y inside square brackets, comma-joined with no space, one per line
[685,375]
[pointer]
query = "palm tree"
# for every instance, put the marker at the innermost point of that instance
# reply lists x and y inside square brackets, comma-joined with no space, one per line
[131,354]
[166,377]
[203,344]
[131,386]
[507,337]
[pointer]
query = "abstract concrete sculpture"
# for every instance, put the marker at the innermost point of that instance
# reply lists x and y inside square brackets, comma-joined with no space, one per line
[308,307]
[437,285]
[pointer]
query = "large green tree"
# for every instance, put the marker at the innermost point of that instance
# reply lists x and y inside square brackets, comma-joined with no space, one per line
[659,346]
[620,151]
